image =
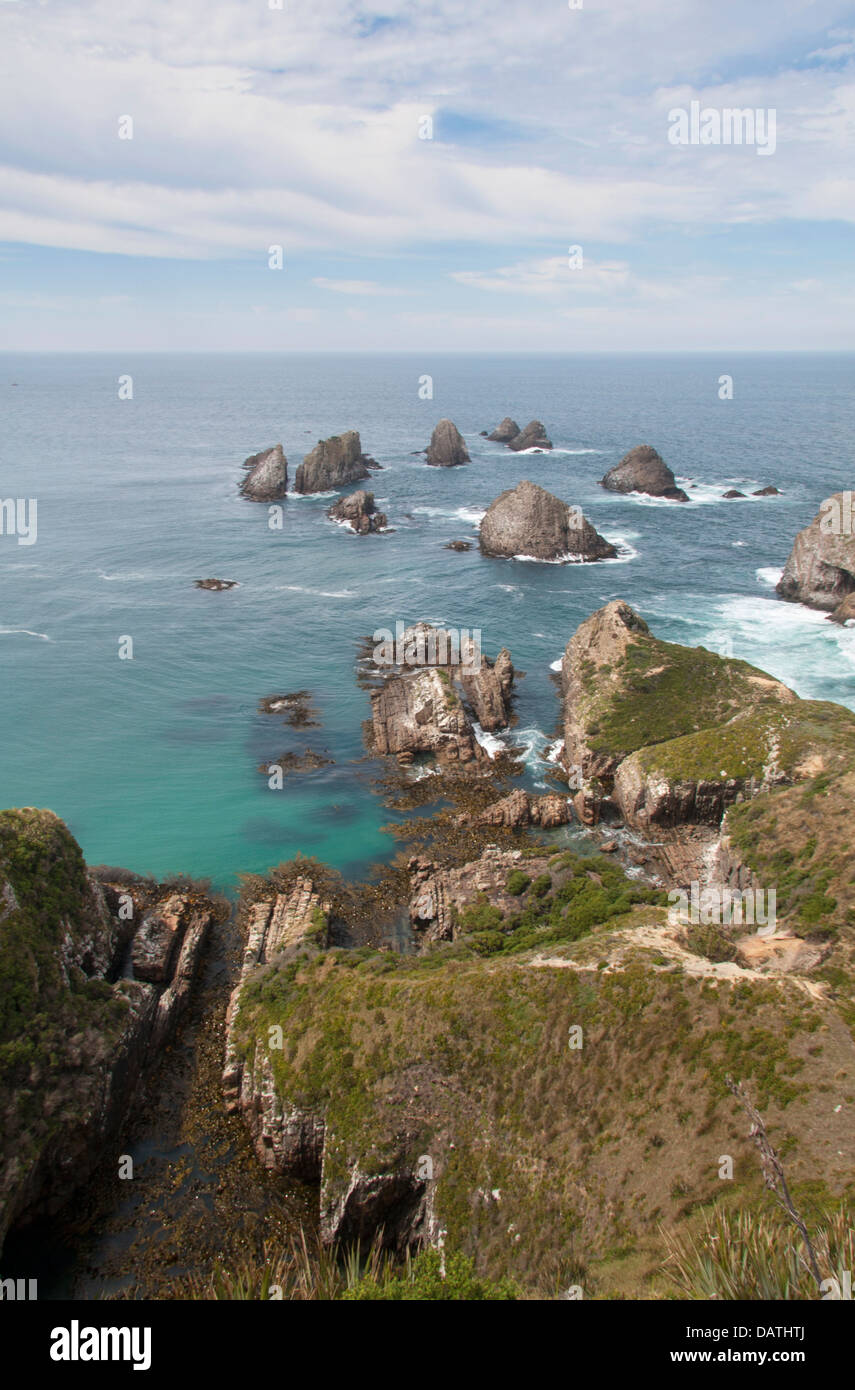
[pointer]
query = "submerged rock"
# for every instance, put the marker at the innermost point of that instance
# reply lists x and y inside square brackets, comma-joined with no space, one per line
[732,494]
[643,469]
[769,491]
[458,545]
[534,436]
[447,448]
[820,570]
[267,475]
[333,463]
[505,432]
[359,513]
[529,521]
[216,585]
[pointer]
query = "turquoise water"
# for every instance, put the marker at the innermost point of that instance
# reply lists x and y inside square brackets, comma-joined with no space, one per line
[152,762]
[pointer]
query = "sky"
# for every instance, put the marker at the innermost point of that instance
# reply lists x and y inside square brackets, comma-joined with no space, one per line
[426,167]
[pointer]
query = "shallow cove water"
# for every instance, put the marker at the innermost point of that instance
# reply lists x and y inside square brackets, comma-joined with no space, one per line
[153,762]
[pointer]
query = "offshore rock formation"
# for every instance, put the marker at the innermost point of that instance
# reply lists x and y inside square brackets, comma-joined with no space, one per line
[359,513]
[529,521]
[216,586]
[447,448]
[534,436]
[644,470]
[663,735]
[420,709]
[266,479]
[505,432]
[333,463]
[820,570]
[76,1035]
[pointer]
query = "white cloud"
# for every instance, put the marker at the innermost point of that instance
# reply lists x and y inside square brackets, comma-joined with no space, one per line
[370,287]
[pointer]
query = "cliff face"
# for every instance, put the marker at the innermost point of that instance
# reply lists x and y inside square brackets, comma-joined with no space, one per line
[820,570]
[529,521]
[333,463]
[74,1039]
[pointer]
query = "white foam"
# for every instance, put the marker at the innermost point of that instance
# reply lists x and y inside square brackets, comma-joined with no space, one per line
[24,632]
[768,574]
[557,665]
[626,551]
[127,578]
[309,496]
[798,645]
[471,515]
[318,593]
[489,742]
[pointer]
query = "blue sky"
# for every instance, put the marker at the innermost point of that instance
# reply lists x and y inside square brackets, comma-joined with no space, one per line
[301,126]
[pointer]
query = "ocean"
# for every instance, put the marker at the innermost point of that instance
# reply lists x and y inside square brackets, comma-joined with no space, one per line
[152,762]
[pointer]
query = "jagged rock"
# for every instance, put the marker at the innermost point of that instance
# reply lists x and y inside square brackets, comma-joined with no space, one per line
[769,491]
[820,571]
[732,494]
[644,470]
[521,809]
[92,1036]
[844,612]
[534,436]
[308,761]
[418,708]
[459,545]
[420,712]
[529,521]
[284,1141]
[359,513]
[156,942]
[447,448]
[505,432]
[333,463]
[489,689]
[217,585]
[267,475]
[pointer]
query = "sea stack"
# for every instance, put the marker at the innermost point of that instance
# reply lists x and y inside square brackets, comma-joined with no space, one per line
[359,513]
[505,432]
[529,521]
[447,448]
[266,478]
[643,469]
[820,571]
[333,463]
[534,436]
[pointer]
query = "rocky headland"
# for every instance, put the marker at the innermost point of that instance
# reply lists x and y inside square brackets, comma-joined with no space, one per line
[820,569]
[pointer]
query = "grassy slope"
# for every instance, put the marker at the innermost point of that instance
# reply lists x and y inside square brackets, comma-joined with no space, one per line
[465,1058]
